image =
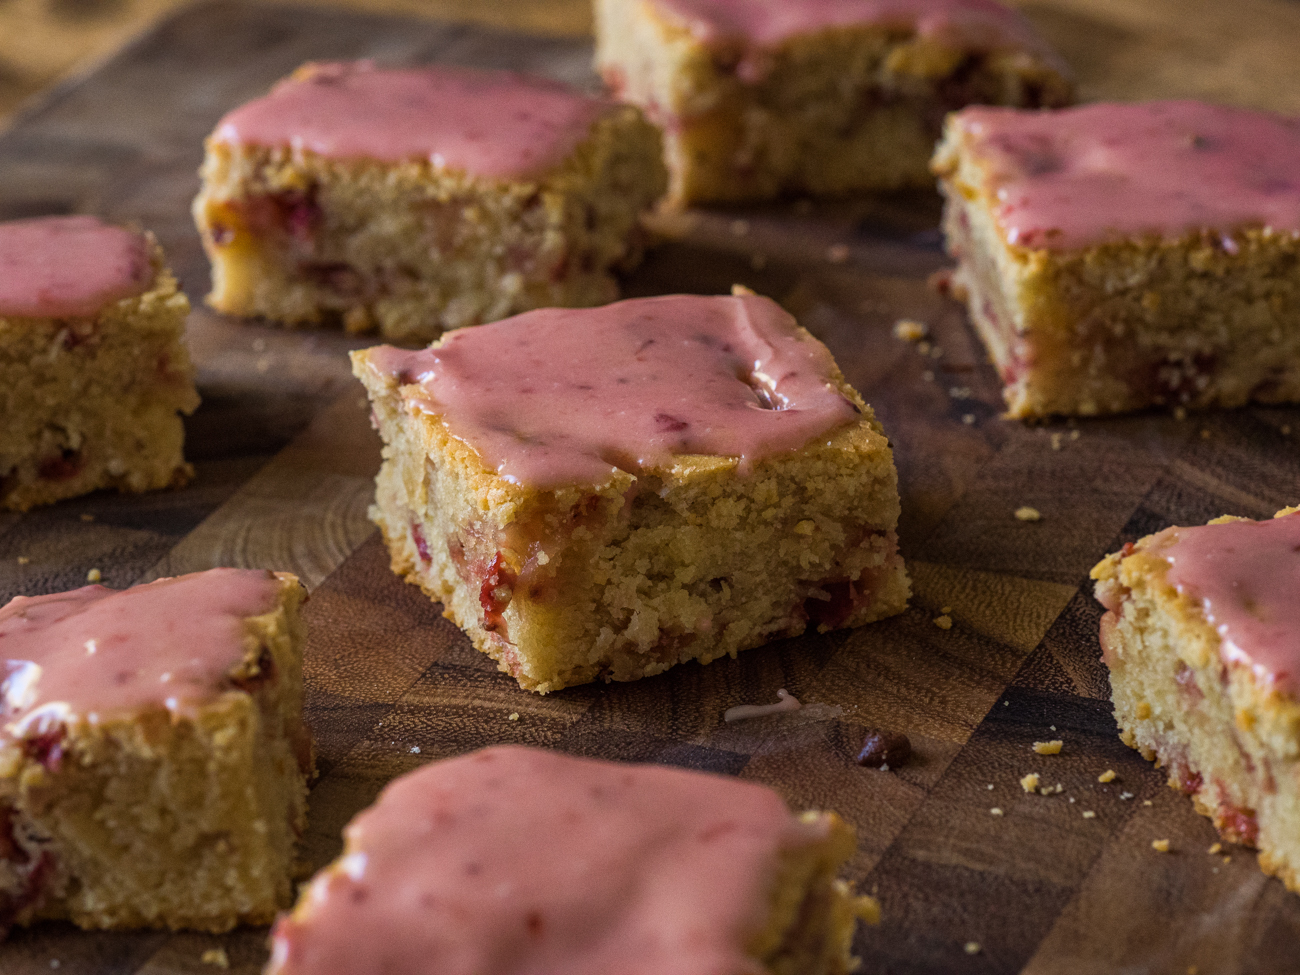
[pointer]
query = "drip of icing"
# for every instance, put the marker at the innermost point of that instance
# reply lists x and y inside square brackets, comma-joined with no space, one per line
[96,653]
[768,23]
[567,396]
[493,124]
[1246,576]
[785,701]
[59,267]
[515,860]
[1083,176]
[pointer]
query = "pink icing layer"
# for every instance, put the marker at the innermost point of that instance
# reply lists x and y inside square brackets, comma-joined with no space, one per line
[95,653]
[493,124]
[768,23]
[517,861]
[567,396]
[1082,176]
[55,267]
[1246,575]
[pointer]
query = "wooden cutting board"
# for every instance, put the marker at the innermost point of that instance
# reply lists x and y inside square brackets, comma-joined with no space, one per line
[285,459]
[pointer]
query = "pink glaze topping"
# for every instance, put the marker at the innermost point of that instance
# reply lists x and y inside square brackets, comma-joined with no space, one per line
[96,653]
[567,396]
[493,124]
[55,267]
[1081,176]
[517,861]
[1246,575]
[768,23]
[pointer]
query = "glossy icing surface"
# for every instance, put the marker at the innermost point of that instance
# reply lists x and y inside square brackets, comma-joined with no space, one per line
[95,652]
[1082,176]
[54,267]
[518,861]
[494,124]
[1246,575]
[567,396]
[767,23]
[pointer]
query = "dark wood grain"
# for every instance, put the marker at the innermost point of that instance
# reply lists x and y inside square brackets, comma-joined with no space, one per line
[285,459]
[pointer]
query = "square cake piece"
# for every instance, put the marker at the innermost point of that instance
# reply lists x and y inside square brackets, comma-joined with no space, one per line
[408,201]
[1202,638]
[1122,256]
[609,492]
[763,97]
[94,372]
[606,867]
[153,756]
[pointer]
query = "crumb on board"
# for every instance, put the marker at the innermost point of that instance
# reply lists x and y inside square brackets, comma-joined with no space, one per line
[960,392]
[94,575]
[968,419]
[1216,849]
[945,609]
[972,947]
[1048,747]
[1074,434]
[1285,429]
[1160,846]
[1128,795]
[1205,434]
[23,560]
[837,253]
[1026,513]
[923,347]
[513,716]
[944,622]
[1030,782]
[1146,802]
[1107,776]
[415,749]
[1180,413]
[216,956]
[990,787]
[909,330]
[1227,859]
[1056,440]
[1051,790]
[87,516]
[995,811]
[1089,814]
[1070,799]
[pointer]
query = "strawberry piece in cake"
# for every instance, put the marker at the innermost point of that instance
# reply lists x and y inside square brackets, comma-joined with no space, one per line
[609,492]
[94,373]
[153,758]
[513,860]
[1121,256]
[762,97]
[408,201]
[1202,638]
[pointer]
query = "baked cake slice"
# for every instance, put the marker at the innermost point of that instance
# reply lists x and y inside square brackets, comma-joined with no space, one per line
[612,491]
[512,860]
[1121,256]
[153,757]
[411,200]
[94,373]
[762,97]
[1202,638]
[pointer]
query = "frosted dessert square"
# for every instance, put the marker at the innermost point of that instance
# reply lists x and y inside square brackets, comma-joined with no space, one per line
[762,97]
[94,373]
[1202,638]
[606,493]
[1115,257]
[411,200]
[153,757]
[512,860]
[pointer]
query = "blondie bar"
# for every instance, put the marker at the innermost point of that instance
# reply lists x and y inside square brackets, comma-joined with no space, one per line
[94,373]
[1202,638]
[1122,256]
[609,492]
[762,97]
[513,860]
[408,201]
[153,757]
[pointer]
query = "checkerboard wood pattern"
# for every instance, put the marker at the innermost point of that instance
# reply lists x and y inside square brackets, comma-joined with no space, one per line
[285,459]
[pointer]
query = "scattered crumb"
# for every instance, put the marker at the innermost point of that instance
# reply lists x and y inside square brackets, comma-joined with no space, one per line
[785,702]
[94,575]
[990,787]
[943,622]
[928,376]
[1028,514]
[216,956]
[1128,795]
[1089,814]
[909,330]
[1056,440]
[973,947]
[1107,776]
[1227,860]
[968,419]
[1146,802]
[1006,704]
[960,392]
[1051,727]
[1285,429]
[1030,782]
[263,364]
[995,811]
[1180,414]
[415,749]
[87,516]
[837,253]
[1216,849]
[936,352]
[1205,434]
[739,228]
[1070,800]
[945,609]
[23,560]
[1051,790]
[54,963]
[513,716]
[1160,846]
[923,347]
[1074,434]
[1048,747]
[758,261]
